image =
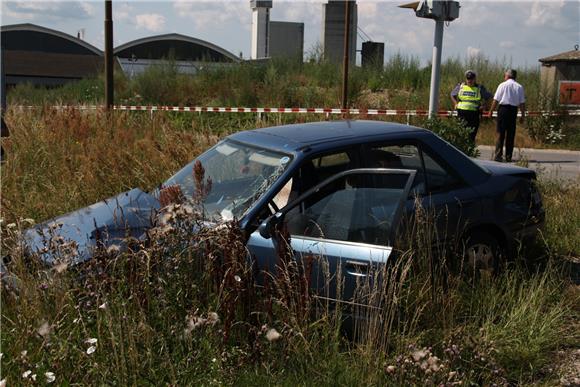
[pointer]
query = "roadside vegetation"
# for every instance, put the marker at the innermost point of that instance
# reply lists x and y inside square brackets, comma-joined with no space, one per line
[403,83]
[183,310]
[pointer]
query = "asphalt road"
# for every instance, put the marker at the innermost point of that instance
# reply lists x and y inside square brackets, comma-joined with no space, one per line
[548,163]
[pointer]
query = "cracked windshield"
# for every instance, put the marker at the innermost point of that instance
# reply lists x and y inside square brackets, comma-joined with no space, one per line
[239,175]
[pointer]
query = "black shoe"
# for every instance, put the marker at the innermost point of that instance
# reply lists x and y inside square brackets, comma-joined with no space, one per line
[508,159]
[498,159]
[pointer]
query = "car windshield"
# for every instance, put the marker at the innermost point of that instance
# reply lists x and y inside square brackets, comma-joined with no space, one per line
[240,175]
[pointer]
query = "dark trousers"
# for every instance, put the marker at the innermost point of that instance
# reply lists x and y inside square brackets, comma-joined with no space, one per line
[471,118]
[505,131]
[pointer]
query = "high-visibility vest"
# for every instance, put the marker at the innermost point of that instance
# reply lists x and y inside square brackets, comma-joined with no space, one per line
[469,97]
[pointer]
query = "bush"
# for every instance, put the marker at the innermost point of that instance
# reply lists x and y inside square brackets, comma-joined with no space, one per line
[455,132]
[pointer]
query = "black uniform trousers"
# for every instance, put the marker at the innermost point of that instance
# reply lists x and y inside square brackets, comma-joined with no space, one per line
[471,118]
[506,131]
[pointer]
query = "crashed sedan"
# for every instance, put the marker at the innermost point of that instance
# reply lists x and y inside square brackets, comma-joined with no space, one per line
[342,189]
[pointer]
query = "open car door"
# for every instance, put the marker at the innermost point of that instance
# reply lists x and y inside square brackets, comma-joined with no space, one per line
[343,227]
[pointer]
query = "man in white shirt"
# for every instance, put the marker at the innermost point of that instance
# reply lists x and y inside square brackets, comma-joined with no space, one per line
[509,96]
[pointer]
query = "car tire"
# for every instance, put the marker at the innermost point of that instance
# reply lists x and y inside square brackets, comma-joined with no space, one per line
[482,254]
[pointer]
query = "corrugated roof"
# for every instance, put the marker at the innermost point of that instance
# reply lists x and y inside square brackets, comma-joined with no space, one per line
[568,56]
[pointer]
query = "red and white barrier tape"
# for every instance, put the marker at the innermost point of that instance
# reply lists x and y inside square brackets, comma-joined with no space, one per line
[206,109]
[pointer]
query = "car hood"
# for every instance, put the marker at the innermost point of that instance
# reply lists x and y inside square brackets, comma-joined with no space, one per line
[505,169]
[109,222]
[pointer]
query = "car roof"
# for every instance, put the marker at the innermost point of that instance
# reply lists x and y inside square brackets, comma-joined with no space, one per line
[298,136]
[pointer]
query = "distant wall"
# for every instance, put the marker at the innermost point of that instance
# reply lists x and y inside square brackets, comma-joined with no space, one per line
[333,31]
[286,40]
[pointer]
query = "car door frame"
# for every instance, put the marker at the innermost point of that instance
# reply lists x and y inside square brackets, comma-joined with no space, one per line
[270,233]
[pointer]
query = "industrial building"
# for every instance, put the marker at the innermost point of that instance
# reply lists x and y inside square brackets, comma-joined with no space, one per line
[45,57]
[271,39]
[560,74]
[333,30]
[187,54]
[286,40]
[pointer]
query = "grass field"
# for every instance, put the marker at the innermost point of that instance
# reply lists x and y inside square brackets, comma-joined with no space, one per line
[171,313]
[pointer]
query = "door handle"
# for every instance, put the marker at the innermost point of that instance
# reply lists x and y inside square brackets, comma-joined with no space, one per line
[356,268]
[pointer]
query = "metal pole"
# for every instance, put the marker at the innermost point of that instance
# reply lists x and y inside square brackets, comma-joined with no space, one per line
[3,79]
[109,54]
[436,64]
[346,55]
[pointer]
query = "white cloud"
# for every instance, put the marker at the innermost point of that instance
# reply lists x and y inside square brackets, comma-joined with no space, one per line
[507,44]
[473,52]
[48,9]
[123,12]
[150,21]
[205,14]
[543,13]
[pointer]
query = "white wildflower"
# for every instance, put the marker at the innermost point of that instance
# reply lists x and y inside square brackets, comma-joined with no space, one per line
[44,329]
[24,353]
[273,335]
[33,377]
[3,383]
[390,369]
[103,305]
[61,267]
[419,355]
[212,318]
[113,249]
[91,350]
[50,377]
[26,374]
[237,278]
[92,340]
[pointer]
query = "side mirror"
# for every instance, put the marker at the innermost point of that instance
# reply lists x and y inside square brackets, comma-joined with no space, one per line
[266,228]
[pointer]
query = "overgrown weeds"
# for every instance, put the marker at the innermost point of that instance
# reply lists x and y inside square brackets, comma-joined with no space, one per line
[181,307]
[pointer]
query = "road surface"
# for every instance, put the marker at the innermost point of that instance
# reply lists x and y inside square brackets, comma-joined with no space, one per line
[550,163]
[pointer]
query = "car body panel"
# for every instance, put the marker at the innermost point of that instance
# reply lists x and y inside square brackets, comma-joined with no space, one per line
[109,222]
[490,195]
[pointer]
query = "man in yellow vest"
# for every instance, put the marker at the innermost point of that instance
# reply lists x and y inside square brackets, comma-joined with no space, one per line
[470,98]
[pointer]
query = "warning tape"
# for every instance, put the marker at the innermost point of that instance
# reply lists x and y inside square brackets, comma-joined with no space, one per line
[207,109]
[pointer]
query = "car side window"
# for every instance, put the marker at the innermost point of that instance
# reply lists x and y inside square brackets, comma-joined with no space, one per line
[311,172]
[439,179]
[399,157]
[432,176]
[358,207]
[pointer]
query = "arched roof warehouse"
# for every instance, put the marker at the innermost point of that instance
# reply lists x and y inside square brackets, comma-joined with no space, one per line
[176,47]
[43,56]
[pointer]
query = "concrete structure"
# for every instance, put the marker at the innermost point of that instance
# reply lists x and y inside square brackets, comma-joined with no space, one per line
[260,28]
[560,77]
[287,40]
[333,30]
[187,54]
[373,54]
[45,57]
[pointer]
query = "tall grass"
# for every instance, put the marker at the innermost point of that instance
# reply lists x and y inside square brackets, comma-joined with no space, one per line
[286,83]
[183,309]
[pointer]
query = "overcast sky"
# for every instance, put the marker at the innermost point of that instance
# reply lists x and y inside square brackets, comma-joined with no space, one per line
[513,32]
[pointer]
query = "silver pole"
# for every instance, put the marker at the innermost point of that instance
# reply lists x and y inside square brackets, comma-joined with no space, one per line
[436,64]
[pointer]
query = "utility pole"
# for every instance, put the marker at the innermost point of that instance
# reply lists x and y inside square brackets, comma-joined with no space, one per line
[441,11]
[4,132]
[435,69]
[109,92]
[346,54]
